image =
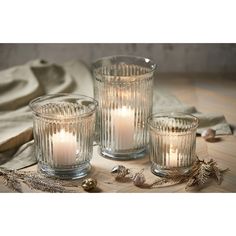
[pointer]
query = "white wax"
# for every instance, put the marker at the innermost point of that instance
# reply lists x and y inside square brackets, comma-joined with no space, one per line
[123,128]
[173,157]
[64,148]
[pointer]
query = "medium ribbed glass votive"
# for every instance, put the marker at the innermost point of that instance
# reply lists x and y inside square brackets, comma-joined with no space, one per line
[172,142]
[63,127]
[123,89]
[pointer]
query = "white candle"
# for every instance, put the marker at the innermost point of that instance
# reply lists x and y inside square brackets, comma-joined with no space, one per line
[64,148]
[123,127]
[173,156]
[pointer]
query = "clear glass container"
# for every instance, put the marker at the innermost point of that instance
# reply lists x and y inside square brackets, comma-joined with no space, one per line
[123,89]
[172,142]
[64,130]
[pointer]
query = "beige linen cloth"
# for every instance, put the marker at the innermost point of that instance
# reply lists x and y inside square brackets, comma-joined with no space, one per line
[20,84]
[165,102]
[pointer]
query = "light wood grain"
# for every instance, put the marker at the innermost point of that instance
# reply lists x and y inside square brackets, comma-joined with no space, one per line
[208,93]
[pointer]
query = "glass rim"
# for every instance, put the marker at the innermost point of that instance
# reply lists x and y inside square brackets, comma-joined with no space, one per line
[42,98]
[173,115]
[153,67]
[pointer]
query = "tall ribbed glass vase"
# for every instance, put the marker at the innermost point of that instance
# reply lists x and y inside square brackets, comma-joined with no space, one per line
[172,142]
[123,89]
[64,130]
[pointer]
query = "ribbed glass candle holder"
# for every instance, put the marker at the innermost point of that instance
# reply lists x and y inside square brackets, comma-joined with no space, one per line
[123,89]
[172,142]
[64,128]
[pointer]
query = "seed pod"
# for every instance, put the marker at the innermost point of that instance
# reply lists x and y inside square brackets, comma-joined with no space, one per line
[120,171]
[208,134]
[89,184]
[139,179]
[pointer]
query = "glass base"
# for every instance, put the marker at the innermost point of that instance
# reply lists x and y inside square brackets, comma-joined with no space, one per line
[124,156]
[165,171]
[75,173]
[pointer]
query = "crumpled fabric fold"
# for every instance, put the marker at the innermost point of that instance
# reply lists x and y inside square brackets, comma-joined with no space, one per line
[18,86]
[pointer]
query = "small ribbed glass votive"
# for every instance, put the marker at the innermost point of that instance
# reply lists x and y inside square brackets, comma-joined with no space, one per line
[172,142]
[123,89]
[64,130]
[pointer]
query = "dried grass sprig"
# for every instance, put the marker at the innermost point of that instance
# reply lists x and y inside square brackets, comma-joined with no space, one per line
[14,180]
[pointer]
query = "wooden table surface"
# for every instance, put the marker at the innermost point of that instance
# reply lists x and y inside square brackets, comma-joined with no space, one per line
[208,93]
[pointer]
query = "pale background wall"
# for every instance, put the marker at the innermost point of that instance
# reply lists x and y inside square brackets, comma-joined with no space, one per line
[170,57]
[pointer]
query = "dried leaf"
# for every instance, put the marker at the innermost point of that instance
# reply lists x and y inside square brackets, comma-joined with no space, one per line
[204,173]
[191,182]
[217,174]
